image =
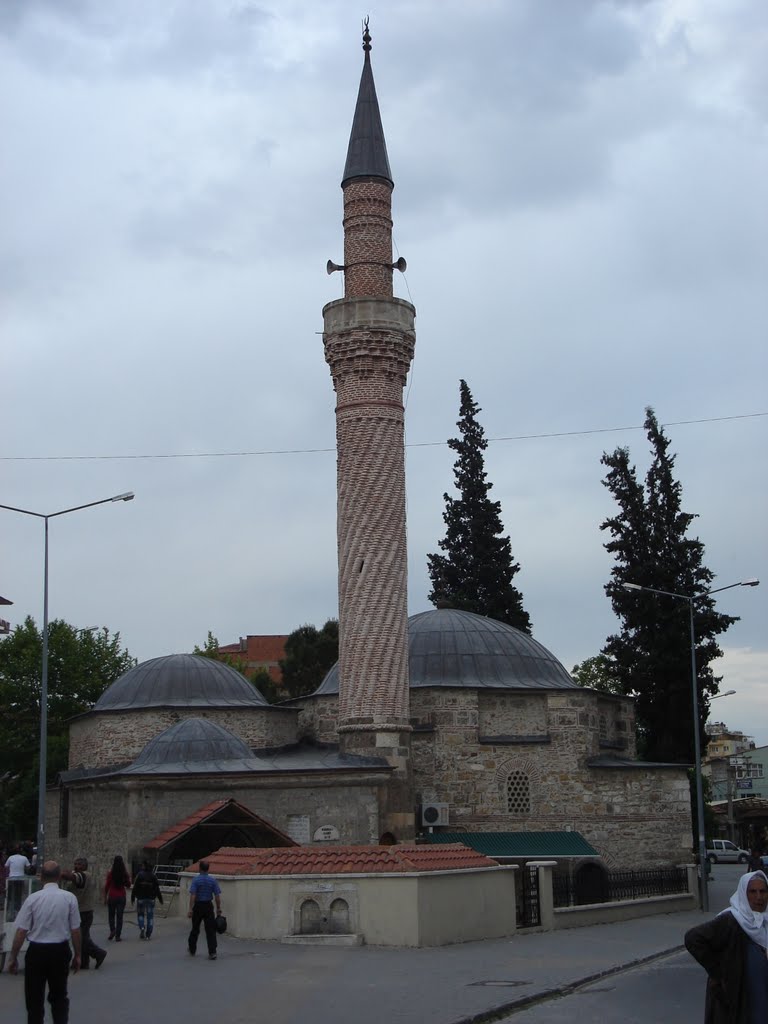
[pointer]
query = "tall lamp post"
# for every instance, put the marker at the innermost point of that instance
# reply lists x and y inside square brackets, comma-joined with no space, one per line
[128,496]
[690,598]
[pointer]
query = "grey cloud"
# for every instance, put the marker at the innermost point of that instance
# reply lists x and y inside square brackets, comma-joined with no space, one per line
[90,38]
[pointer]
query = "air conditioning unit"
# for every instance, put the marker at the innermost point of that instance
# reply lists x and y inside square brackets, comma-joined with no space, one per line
[434,814]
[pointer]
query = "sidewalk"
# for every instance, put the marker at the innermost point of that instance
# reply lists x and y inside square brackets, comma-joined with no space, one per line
[258,981]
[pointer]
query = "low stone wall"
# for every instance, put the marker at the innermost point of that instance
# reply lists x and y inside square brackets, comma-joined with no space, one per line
[622,910]
[554,918]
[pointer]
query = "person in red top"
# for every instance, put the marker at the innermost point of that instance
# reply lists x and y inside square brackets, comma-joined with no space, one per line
[115,892]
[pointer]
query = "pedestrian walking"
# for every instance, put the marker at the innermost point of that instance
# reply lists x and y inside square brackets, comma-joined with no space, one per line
[50,919]
[81,885]
[733,950]
[17,867]
[202,892]
[146,889]
[115,894]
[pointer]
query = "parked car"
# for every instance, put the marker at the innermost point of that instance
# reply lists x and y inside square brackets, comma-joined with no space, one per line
[723,851]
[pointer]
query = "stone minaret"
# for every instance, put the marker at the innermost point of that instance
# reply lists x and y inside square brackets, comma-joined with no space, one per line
[369,340]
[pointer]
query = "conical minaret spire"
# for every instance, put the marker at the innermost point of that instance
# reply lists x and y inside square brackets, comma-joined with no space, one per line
[367,150]
[369,341]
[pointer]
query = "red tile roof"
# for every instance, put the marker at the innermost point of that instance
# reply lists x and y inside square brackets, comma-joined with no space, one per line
[342,860]
[209,811]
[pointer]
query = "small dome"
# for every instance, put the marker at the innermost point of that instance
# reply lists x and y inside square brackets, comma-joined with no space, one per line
[447,647]
[194,745]
[180,680]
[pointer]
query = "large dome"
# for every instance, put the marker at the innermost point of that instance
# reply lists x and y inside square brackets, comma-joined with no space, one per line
[180,680]
[452,648]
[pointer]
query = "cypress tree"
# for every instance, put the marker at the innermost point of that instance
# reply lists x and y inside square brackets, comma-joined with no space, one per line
[476,571]
[650,657]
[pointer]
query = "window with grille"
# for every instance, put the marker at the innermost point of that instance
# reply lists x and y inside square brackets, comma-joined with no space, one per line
[518,793]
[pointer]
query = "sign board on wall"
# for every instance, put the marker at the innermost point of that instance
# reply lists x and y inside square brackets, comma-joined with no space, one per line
[298,828]
[326,834]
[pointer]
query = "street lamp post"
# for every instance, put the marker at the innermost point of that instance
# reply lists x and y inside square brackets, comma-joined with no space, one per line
[127,496]
[703,893]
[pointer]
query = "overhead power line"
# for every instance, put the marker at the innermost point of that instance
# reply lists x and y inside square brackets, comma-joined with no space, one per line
[319,451]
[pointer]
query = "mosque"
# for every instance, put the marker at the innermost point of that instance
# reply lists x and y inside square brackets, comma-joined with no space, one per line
[442,723]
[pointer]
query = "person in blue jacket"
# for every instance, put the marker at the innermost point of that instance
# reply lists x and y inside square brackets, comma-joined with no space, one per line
[202,893]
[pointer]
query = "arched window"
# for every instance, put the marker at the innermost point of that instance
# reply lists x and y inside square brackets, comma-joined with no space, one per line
[518,792]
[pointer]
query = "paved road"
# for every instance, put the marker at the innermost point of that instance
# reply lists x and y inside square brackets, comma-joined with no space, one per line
[263,981]
[669,990]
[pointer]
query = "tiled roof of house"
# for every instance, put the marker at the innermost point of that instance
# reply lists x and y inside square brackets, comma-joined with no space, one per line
[519,844]
[343,860]
[204,814]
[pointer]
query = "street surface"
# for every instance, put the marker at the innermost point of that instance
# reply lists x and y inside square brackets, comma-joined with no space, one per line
[669,991]
[284,984]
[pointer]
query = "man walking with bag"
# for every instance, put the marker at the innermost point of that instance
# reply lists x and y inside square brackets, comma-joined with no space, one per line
[202,892]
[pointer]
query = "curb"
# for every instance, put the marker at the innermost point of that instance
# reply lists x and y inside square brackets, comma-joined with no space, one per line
[515,1005]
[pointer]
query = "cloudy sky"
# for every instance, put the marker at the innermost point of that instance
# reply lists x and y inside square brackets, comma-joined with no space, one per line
[581,198]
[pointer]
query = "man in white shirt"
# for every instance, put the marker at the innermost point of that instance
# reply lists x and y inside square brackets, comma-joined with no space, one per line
[16,868]
[49,919]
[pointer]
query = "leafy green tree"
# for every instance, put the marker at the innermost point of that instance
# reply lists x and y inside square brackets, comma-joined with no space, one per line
[650,657]
[82,663]
[596,673]
[259,677]
[476,571]
[309,654]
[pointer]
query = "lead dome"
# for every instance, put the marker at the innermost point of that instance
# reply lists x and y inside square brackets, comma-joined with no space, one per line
[180,680]
[453,648]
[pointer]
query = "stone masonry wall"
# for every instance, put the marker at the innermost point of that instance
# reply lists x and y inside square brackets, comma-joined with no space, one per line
[502,714]
[634,817]
[319,719]
[120,817]
[112,737]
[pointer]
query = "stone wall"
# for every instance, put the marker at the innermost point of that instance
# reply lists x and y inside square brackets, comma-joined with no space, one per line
[113,737]
[518,762]
[121,816]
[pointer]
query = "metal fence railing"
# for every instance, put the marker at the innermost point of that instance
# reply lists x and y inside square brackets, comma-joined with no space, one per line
[592,884]
[527,905]
[169,882]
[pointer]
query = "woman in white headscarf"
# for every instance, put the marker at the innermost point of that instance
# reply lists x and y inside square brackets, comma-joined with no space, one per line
[733,950]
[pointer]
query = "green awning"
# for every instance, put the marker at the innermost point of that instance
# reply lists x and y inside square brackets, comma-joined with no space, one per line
[540,845]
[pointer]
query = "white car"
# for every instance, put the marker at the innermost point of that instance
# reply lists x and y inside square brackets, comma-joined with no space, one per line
[723,851]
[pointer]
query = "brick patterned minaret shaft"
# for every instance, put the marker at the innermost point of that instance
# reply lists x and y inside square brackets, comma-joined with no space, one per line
[369,341]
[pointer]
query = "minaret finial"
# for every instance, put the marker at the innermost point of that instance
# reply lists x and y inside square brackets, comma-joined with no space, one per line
[366,36]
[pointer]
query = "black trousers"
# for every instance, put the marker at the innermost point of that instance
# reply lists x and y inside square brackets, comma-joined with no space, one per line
[89,948]
[46,963]
[203,913]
